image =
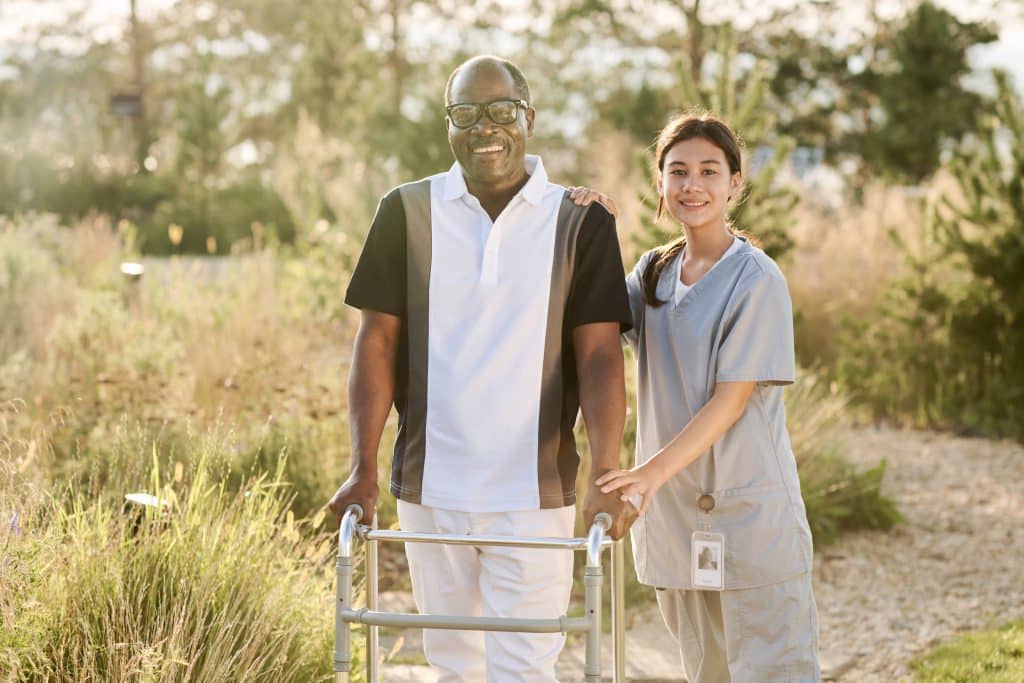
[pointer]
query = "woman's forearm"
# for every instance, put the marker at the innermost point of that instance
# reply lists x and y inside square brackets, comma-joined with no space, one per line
[721,412]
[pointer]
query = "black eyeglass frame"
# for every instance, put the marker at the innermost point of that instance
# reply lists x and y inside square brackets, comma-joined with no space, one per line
[485,107]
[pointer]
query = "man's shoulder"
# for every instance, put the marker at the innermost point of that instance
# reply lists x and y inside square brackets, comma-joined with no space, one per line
[598,215]
[395,192]
[392,202]
[598,224]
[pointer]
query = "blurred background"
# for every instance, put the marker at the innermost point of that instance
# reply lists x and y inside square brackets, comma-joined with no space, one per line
[185,185]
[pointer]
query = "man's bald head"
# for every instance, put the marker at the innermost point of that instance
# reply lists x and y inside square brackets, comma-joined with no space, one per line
[490,61]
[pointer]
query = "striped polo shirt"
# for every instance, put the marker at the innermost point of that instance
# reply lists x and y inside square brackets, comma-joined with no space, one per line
[486,387]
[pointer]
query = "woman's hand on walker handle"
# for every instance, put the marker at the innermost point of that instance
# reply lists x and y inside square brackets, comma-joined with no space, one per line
[641,481]
[584,196]
[623,514]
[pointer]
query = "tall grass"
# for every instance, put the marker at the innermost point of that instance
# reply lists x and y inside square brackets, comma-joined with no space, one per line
[222,585]
[243,344]
[843,260]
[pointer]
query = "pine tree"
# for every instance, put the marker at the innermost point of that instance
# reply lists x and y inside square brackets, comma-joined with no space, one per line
[946,346]
[984,228]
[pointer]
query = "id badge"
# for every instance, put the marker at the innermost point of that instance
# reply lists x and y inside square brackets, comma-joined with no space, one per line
[707,552]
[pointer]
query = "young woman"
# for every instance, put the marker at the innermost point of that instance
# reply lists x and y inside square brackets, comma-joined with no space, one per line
[723,535]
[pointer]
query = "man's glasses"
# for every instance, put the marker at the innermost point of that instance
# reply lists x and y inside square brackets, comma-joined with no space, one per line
[502,112]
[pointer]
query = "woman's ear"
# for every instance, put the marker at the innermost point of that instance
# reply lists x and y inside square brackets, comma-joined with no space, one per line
[735,183]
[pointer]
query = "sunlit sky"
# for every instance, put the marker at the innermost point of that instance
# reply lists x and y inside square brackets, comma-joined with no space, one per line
[107,20]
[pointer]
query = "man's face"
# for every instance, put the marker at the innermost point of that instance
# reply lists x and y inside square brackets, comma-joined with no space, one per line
[489,153]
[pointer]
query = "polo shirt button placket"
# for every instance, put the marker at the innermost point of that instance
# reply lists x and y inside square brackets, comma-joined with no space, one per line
[492,248]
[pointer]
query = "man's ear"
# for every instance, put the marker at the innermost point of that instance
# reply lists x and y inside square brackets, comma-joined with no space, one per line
[530,113]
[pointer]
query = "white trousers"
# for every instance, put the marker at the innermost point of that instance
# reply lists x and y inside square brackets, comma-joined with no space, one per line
[502,582]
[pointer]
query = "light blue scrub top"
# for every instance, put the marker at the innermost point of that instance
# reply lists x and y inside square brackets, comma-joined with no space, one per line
[734,325]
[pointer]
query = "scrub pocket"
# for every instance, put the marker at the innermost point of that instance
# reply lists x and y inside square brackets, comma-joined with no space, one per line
[766,536]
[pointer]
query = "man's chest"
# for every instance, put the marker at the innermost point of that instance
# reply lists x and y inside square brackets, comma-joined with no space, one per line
[471,255]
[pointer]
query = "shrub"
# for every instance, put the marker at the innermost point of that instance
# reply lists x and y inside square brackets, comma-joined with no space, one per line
[227,215]
[838,496]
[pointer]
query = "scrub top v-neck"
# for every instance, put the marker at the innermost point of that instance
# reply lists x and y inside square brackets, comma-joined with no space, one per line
[680,288]
[735,324]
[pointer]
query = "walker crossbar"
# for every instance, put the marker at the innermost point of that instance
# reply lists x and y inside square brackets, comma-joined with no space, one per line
[590,623]
[562,624]
[368,534]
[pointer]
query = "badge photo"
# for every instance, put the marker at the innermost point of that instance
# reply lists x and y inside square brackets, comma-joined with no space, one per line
[707,552]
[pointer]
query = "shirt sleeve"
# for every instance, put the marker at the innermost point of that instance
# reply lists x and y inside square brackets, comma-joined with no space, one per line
[637,305]
[598,292]
[757,338]
[379,280]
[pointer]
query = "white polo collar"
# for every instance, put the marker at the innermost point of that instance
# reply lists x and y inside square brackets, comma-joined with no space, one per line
[533,191]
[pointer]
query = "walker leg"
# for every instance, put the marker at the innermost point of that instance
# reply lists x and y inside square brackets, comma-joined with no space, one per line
[343,587]
[618,600]
[342,630]
[592,580]
[372,634]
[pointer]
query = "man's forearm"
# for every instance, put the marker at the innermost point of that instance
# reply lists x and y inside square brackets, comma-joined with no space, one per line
[599,366]
[371,390]
[603,402]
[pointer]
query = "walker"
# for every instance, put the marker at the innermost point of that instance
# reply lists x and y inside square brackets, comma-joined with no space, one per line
[590,623]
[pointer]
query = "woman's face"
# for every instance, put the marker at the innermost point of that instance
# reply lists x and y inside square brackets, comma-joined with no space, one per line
[695,183]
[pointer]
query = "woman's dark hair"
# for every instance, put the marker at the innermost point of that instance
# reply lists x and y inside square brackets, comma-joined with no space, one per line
[687,126]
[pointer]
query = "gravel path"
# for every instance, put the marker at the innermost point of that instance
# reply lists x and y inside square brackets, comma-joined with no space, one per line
[955,564]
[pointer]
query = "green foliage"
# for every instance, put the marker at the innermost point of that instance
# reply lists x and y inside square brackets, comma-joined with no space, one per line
[891,100]
[897,359]
[918,88]
[946,346]
[185,346]
[993,656]
[295,447]
[223,211]
[335,72]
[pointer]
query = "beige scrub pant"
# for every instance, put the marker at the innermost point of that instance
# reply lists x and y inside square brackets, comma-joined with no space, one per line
[756,635]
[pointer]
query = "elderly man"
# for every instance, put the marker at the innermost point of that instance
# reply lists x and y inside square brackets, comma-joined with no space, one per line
[491,314]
